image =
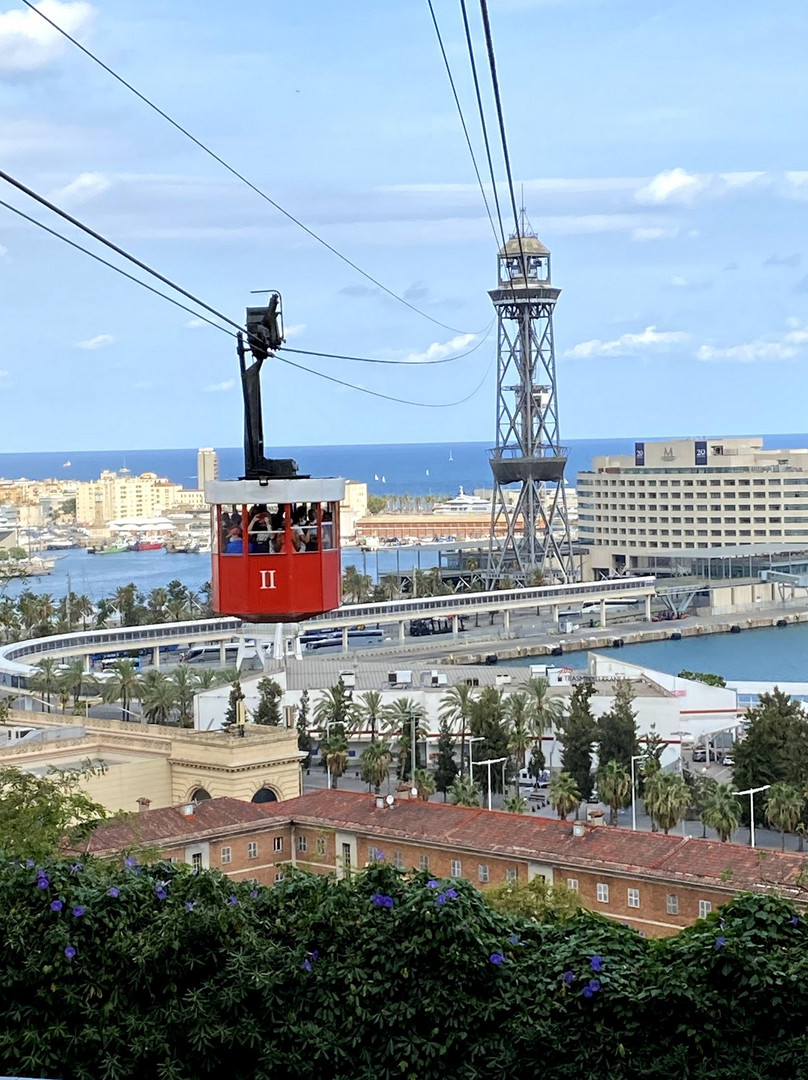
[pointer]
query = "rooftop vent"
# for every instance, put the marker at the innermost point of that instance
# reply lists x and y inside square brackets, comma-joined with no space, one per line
[578,828]
[189,809]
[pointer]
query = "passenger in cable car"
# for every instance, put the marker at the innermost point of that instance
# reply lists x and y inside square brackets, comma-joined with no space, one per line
[299,532]
[259,530]
[235,542]
[328,530]
[311,528]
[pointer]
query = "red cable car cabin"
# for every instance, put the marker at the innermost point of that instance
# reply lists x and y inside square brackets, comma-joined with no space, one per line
[275,548]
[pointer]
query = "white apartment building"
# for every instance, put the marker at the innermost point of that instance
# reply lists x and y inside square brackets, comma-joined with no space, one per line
[207,466]
[682,498]
[115,496]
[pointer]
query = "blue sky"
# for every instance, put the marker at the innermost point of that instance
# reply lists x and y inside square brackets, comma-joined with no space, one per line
[661,146]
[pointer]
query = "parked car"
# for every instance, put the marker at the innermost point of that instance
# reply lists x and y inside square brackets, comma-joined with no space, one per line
[727,759]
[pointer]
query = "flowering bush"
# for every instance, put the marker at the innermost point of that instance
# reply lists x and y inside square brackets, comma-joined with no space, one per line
[128,972]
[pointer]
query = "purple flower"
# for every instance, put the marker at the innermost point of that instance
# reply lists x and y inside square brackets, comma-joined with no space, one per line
[720,942]
[451,894]
[432,884]
[306,965]
[587,991]
[794,921]
[569,977]
[129,862]
[189,905]
[253,894]
[74,869]
[78,911]
[160,893]
[56,905]
[113,892]
[29,863]
[70,952]
[440,899]
[513,940]
[315,954]
[379,856]
[380,900]
[596,963]
[496,958]
[594,985]
[232,899]
[42,882]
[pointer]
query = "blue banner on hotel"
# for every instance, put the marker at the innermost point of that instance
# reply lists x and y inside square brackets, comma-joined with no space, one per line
[639,453]
[701,453]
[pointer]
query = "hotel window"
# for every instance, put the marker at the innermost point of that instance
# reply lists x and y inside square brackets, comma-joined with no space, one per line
[302,844]
[196,860]
[572,884]
[277,843]
[279,876]
[226,855]
[705,907]
[423,862]
[482,872]
[672,904]
[511,874]
[252,850]
[602,893]
[456,868]
[398,860]
[321,845]
[633,897]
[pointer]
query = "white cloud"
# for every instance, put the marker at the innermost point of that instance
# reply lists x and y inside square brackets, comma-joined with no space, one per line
[86,186]
[27,42]
[785,346]
[97,342]
[644,235]
[626,344]
[438,350]
[294,331]
[220,387]
[675,185]
[195,324]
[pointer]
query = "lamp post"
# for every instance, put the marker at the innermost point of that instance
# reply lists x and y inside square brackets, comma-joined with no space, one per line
[489,762]
[681,735]
[636,757]
[473,739]
[752,792]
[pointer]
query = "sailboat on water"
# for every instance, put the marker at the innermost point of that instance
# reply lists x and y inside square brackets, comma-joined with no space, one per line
[450,456]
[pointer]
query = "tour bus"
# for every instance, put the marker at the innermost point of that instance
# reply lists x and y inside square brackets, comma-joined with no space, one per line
[210,654]
[331,636]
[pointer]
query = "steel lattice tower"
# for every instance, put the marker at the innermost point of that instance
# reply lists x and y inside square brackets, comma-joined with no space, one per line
[536,540]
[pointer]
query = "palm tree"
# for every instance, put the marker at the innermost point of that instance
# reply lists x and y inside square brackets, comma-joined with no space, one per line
[463,792]
[517,717]
[564,795]
[334,752]
[721,811]
[545,711]
[424,783]
[158,598]
[83,609]
[124,686]
[405,720]
[614,787]
[159,700]
[667,797]
[455,707]
[334,706]
[783,809]
[186,684]
[374,763]
[73,678]
[515,804]
[368,712]
[391,586]
[46,679]
[355,586]
[177,609]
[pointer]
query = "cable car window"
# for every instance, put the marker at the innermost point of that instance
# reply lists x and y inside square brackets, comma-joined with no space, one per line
[327,528]
[231,530]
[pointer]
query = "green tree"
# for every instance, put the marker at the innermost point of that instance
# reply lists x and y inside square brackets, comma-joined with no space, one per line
[720,810]
[186,686]
[617,728]
[37,813]
[125,685]
[775,749]
[73,678]
[304,740]
[546,711]
[667,797]
[45,679]
[334,706]
[614,787]
[534,900]
[517,718]
[235,707]
[446,766]
[268,710]
[424,783]
[565,795]
[159,699]
[578,732]
[703,677]
[455,709]
[463,792]
[515,804]
[368,713]
[783,809]
[356,587]
[374,764]
[487,722]
[334,752]
[404,719]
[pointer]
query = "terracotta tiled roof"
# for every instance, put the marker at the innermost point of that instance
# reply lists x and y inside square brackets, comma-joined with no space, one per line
[545,840]
[171,824]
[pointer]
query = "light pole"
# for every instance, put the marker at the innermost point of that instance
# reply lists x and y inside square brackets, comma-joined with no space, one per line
[473,739]
[752,792]
[681,735]
[636,757]
[489,762]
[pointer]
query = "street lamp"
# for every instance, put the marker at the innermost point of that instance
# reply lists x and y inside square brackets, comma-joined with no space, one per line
[489,762]
[752,792]
[473,739]
[681,735]
[636,757]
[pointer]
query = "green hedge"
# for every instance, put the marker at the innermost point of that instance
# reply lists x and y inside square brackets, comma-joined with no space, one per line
[177,975]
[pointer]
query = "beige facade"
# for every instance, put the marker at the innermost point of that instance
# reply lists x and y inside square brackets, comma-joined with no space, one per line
[690,494]
[353,506]
[161,766]
[115,496]
[207,466]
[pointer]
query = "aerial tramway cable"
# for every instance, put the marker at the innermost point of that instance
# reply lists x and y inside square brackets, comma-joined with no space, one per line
[240,176]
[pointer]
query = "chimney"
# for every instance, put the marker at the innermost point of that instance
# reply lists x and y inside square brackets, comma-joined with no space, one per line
[189,809]
[143,804]
[578,828]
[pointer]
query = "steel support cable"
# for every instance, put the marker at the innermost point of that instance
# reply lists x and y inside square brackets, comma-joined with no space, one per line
[401,363]
[481,112]
[114,247]
[497,98]
[239,176]
[462,119]
[390,397]
[112,266]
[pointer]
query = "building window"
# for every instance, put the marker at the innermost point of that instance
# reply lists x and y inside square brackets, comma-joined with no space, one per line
[346,858]
[227,855]
[398,860]
[423,862]
[196,860]
[672,904]
[456,868]
[511,874]
[572,883]
[277,843]
[252,850]
[375,855]
[302,844]
[482,872]
[603,893]
[279,876]
[321,845]
[633,897]
[705,907]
